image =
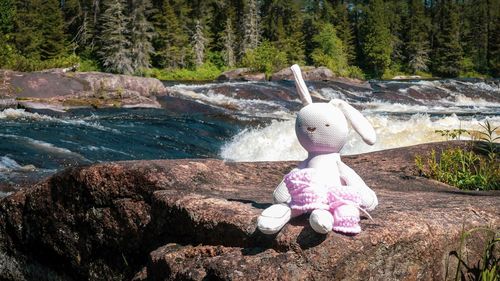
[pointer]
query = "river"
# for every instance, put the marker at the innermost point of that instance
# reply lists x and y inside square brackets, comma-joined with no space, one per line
[237,121]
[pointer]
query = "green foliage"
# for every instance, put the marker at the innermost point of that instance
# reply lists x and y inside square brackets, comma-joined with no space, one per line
[280,22]
[382,38]
[448,52]
[54,43]
[142,32]
[418,45]
[171,44]
[344,30]
[377,43]
[487,269]
[488,140]
[206,72]
[39,30]
[453,134]
[265,58]
[494,45]
[114,50]
[87,65]
[330,51]
[21,63]
[7,16]
[462,167]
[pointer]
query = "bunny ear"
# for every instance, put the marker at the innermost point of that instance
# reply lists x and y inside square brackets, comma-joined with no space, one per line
[357,120]
[304,95]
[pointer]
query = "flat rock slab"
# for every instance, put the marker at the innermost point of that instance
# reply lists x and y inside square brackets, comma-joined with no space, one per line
[196,220]
[62,90]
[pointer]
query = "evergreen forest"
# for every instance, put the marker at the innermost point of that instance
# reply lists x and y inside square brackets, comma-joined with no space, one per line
[201,38]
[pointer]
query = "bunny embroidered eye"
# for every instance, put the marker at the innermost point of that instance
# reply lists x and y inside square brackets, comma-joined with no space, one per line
[328,125]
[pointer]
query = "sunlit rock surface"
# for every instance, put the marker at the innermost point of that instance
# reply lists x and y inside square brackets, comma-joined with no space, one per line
[195,219]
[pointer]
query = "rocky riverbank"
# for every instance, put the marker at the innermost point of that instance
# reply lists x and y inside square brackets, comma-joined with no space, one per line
[62,90]
[57,90]
[195,219]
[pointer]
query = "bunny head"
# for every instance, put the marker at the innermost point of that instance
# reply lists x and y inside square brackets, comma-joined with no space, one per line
[323,127]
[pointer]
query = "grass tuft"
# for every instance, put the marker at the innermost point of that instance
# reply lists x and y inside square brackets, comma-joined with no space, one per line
[463,167]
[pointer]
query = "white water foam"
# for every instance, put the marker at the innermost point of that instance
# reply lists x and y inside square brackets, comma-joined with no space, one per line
[8,164]
[461,104]
[45,146]
[462,100]
[21,114]
[249,107]
[277,141]
[103,148]
[210,85]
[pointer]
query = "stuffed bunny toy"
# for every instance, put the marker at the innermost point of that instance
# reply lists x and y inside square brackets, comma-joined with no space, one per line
[322,185]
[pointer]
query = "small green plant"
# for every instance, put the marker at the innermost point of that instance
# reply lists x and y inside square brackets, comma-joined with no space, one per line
[461,166]
[487,269]
[451,134]
[487,144]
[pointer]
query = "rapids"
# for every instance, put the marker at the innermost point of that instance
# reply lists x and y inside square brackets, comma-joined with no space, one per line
[236,121]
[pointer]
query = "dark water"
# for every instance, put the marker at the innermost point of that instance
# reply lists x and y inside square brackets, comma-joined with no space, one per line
[245,121]
[34,145]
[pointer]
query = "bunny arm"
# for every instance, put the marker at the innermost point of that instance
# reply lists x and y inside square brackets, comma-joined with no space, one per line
[368,198]
[281,194]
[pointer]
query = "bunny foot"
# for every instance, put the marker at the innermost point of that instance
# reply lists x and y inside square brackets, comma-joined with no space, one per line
[346,219]
[321,221]
[274,218]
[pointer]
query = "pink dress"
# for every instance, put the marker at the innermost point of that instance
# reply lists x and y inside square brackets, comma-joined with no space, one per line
[309,194]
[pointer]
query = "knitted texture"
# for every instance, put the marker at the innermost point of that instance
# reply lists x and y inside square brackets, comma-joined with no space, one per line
[344,203]
[346,219]
[307,194]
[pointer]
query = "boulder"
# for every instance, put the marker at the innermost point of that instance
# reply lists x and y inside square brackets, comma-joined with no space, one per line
[308,72]
[196,220]
[242,74]
[61,89]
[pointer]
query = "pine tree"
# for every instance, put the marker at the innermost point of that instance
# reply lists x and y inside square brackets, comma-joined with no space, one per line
[114,42]
[229,43]
[418,45]
[474,35]
[39,29]
[397,21]
[447,57]
[199,43]
[52,25]
[344,30]
[250,27]
[141,35]
[171,43]
[27,33]
[280,21]
[7,16]
[494,44]
[377,39]
[330,51]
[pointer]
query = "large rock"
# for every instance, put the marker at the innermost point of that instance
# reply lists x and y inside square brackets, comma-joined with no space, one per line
[242,74]
[308,72]
[195,220]
[61,90]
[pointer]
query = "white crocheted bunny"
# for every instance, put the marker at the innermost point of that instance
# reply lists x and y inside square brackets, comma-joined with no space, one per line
[322,185]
